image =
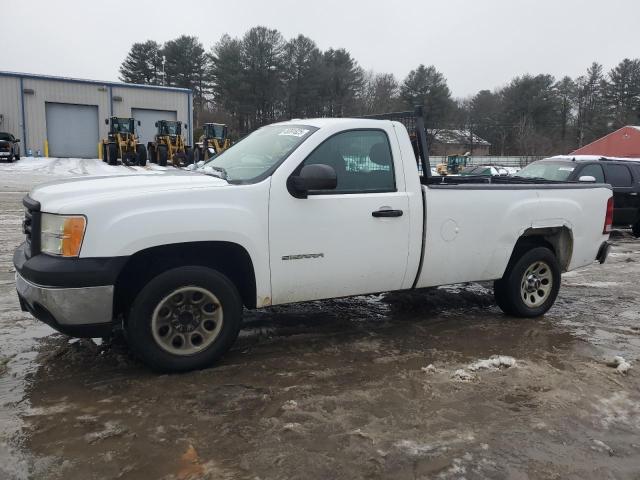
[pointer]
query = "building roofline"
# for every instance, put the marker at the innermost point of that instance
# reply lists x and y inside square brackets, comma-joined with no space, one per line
[35,76]
[602,138]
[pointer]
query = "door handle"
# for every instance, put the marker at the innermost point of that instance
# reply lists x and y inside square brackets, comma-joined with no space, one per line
[387,213]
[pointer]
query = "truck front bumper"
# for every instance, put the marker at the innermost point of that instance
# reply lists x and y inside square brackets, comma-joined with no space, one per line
[79,312]
[73,295]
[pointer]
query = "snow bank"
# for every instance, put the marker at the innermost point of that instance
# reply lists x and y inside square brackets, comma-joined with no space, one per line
[73,167]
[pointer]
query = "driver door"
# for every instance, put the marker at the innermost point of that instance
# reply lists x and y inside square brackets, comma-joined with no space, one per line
[337,243]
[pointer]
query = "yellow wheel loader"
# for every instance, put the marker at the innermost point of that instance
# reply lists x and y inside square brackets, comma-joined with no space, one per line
[122,143]
[169,145]
[214,141]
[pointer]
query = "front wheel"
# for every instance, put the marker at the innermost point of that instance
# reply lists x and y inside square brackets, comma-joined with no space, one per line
[141,155]
[530,285]
[184,319]
[163,155]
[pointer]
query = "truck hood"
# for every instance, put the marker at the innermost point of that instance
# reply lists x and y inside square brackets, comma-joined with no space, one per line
[72,192]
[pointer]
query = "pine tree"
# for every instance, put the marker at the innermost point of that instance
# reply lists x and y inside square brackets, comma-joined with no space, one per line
[143,64]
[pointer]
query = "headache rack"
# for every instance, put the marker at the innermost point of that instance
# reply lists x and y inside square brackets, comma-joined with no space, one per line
[414,123]
[416,127]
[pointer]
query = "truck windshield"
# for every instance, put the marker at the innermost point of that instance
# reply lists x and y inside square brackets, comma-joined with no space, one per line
[257,155]
[555,171]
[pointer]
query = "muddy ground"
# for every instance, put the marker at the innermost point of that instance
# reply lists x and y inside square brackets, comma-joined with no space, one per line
[367,387]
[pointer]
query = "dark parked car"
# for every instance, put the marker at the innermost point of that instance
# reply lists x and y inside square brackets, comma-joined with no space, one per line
[9,147]
[623,175]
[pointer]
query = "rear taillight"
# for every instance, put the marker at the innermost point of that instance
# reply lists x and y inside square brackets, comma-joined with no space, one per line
[608,219]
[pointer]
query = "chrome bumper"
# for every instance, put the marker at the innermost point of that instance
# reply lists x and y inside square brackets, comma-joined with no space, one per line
[66,307]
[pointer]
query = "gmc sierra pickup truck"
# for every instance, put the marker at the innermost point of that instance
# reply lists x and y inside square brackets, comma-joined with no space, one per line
[297,211]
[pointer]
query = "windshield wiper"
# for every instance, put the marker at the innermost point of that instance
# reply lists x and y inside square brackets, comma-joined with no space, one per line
[212,171]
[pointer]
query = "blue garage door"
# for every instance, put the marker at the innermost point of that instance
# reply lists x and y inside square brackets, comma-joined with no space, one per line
[72,130]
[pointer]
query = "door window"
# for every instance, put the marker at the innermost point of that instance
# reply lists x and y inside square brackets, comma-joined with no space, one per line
[594,170]
[362,161]
[618,175]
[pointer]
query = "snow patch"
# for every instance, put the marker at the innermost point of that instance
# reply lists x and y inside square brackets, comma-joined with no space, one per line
[620,364]
[461,375]
[494,363]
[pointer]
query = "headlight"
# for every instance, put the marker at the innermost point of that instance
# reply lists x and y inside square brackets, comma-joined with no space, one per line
[62,234]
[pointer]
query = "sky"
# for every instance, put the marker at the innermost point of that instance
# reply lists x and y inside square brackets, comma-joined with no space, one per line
[476,44]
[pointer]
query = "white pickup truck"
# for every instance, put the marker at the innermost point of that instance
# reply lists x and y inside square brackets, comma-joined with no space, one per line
[300,210]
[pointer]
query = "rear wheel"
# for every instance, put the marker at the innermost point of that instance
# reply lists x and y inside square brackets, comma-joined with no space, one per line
[184,319]
[129,159]
[151,151]
[197,154]
[112,154]
[163,155]
[189,153]
[141,155]
[530,285]
[104,152]
[179,159]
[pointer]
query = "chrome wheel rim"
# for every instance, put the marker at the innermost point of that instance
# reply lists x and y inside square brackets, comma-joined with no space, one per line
[187,321]
[536,284]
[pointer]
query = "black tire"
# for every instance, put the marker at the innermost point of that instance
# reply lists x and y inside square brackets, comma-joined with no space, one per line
[510,291]
[197,155]
[179,160]
[163,155]
[151,153]
[189,152]
[18,155]
[112,154]
[635,229]
[139,321]
[141,155]
[104,152]
[129,159]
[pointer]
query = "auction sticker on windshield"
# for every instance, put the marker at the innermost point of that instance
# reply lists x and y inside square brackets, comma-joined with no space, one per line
[566,169]
[294,132]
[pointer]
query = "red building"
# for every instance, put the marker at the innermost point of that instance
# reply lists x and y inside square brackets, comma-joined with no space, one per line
[621,143]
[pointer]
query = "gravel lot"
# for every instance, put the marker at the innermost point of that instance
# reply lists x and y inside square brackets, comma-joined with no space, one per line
[389,386]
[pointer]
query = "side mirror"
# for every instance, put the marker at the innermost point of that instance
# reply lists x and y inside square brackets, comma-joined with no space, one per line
[106,121]
[138,122]
[186,127]
[17,140]
[156,124]
[312,177]
[587,178]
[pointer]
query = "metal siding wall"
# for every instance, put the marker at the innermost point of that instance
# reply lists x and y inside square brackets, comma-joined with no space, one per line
[10,107]
[59,92]
[79,93]
[151,99]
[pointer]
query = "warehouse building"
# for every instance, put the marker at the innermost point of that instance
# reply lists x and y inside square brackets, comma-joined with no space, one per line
[65,117]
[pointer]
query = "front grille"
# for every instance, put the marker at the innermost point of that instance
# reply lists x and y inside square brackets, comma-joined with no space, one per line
[5,148]
[31,225]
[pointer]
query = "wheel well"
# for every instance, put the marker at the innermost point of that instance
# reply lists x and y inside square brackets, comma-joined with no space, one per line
[558,239]
[228,258]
